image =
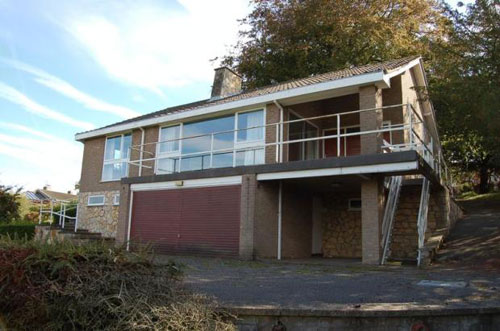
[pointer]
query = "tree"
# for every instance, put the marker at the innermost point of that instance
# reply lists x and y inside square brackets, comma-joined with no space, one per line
[288,39]
[465,87]
[9,204]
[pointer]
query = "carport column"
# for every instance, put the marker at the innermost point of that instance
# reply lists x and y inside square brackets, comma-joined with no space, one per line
[372,205]
[371,190]
[247,215]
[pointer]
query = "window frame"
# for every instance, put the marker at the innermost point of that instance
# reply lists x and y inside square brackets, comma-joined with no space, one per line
[236,144]
[169,155]
[343,130]
[96,196]
[303,143]
[116,199]
[113,161]
[349,208]
[252,143]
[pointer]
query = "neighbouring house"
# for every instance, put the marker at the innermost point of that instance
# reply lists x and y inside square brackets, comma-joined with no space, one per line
[46,195]
[342,164]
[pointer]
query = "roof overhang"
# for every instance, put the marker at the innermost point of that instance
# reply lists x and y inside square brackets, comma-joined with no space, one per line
[379,78]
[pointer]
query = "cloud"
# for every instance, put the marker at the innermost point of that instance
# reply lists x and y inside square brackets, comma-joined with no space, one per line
[72,92]
[147,45]
[46,159]
[11,94]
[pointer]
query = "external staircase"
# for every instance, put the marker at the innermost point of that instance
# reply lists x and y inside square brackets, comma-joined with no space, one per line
[394,185]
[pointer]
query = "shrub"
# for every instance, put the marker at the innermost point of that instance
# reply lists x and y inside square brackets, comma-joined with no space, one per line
[9,204]
[61,286]
[18,230]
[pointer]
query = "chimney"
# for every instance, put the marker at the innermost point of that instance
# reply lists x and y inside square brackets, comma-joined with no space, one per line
[226,83]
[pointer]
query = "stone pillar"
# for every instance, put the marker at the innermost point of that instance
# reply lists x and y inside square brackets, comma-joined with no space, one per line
[123,214]
[370,97]
[372,202]
[247,215]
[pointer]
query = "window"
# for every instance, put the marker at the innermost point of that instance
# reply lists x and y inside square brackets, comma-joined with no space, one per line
[305,150]
[354,204]
[116,155]
[168,150]
[249,138]
[200,147]
[95,200]
[212,143]
[116,199]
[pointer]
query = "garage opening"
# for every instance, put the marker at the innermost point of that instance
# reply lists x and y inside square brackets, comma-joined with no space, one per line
[188,221]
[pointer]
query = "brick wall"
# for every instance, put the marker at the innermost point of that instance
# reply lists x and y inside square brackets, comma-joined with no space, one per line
[266,220]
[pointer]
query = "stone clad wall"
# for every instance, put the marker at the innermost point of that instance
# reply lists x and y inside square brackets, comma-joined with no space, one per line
[405,233]
[101,219]
[341,228]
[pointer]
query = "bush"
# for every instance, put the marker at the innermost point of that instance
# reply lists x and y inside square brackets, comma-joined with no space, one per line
[61,286]
[18,230]
[9,204]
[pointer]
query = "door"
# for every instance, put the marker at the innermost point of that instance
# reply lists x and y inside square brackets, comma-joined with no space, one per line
[304,150]
[202,221]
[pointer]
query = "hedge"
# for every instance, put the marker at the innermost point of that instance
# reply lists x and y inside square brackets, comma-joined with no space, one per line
[18,230]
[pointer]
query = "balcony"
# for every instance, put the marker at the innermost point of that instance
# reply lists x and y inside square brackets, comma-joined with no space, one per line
[388,129]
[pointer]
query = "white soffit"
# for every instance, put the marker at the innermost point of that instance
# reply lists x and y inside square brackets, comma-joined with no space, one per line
[355,170]
[188,183]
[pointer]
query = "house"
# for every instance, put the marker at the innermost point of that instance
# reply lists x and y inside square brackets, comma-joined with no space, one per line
[342,164]
[46,195]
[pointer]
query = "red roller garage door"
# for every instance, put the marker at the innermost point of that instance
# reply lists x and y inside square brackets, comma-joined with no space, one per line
[203,221]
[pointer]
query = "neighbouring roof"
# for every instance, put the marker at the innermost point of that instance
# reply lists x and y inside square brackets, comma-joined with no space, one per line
[386,67]
[49,195]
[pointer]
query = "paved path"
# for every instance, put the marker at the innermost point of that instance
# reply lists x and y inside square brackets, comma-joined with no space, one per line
[475,240]
[314,284]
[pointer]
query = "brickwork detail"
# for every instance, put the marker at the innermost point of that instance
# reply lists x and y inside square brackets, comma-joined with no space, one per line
[341,229]
[101,219]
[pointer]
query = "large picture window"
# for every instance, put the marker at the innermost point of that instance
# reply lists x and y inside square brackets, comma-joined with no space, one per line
[212,143]
[116,155]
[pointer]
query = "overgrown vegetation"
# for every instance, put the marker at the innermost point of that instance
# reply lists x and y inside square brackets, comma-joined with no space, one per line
[9,204]
[18,230]
[61,286]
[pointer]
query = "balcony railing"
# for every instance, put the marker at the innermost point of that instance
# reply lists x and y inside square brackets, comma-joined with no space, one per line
[412,132]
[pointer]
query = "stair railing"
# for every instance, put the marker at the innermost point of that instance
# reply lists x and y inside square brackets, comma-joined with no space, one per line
[389,213]
[422,218]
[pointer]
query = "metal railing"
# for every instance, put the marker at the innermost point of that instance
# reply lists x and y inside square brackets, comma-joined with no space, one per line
[64,207]
[413,130]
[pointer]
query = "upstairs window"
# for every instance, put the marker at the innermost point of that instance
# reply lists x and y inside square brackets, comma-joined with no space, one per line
[116,155]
